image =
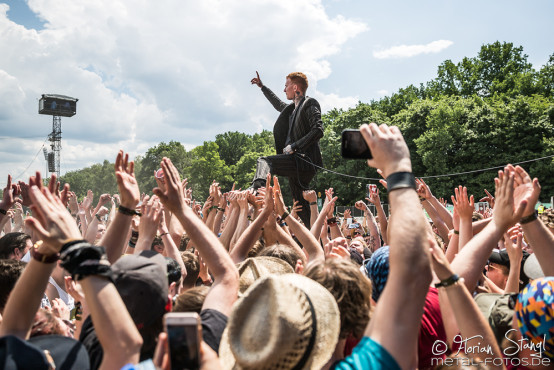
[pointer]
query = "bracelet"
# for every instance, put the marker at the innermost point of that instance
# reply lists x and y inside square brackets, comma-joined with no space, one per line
[527,219]
[456,232]
[285,215]
[3,211]
[313,203]
[221,209]
[447,282]
[162,234]
[41,257]
[128,211]
[98,217]
[332,221]
[400,180]
[283,224]
[213,207]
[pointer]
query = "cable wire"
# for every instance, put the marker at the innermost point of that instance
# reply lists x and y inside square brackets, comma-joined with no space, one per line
[36,155]
[422,177]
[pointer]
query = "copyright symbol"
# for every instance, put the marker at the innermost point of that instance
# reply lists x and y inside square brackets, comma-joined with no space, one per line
[439,348]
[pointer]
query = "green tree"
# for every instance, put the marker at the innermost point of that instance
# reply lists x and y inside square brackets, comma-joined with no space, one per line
[206,166]
[146,165]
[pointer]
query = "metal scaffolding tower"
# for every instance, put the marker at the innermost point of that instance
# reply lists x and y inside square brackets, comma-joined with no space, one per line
[56,106]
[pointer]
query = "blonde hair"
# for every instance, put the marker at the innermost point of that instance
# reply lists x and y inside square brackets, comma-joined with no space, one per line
[299,79]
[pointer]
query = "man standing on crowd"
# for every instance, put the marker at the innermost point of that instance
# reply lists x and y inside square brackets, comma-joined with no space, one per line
[296,132]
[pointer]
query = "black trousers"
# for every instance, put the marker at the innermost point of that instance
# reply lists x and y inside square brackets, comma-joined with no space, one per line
[298,172]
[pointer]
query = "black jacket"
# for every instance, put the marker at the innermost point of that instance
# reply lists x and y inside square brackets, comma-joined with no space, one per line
[307,129]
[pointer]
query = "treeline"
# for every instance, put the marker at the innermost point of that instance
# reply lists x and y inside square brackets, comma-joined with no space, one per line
[482,112]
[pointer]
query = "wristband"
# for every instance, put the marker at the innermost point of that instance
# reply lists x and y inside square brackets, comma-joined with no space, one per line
[447,282]
[401,180]
[41,257]
[313,203]
[283,224]
[3,211]
[527,219]
[162,234]
[285,215]
[456,232]
[128,211]
[213,207]
[332,221]
[221,209]
[98,217]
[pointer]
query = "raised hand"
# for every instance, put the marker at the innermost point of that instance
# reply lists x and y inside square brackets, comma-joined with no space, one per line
[508,207]
[11,191]
[525,188]
[390,151]
[310,196]
[73,206]
[256,80]
[297,207]
[374,197]
[347,213]
[24,188]
[383,181]
[172,196]
[102,211]
[87,202]
[423,189]
[463,204]
[126,182]
[52,222]
[151,214]
[489,199]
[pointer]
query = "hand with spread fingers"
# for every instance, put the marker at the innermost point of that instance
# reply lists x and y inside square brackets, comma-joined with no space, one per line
[510,203]
[172,196]
[126,181]
[52,223]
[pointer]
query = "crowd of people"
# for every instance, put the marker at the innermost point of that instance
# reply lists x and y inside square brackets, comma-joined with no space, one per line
[87,286]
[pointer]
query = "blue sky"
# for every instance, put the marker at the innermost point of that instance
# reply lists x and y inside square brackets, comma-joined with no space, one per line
[180,70]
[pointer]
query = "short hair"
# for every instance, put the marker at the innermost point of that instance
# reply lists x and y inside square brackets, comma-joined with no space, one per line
[476,216]
[300,79]
[191,300]
[156,241]
[183,244]
[11,241]
[193,268]
[351,290]
[10,271]
[284,252]
[45,323]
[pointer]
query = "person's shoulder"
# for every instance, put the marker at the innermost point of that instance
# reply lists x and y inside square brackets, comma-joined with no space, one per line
[311,102]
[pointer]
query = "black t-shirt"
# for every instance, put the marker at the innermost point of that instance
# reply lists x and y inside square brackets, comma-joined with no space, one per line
[213,324]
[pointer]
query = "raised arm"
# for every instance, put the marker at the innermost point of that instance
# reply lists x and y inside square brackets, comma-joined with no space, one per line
[311,197]
[254,230]
[536,233]
[371,224]
[465,207]
[470,261]
[308,241]
[223,292]
[383,222]
[469,319]
[396,319]
[115,239]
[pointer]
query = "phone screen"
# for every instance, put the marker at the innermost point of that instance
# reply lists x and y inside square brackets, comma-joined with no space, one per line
[354,146]
[183,347]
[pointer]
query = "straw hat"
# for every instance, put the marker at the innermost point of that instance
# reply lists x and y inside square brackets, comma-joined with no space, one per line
[255,268]
[282,322]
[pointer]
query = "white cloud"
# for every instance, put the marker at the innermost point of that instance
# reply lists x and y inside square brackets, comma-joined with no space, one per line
[382,92]
[408,51]
[158,71]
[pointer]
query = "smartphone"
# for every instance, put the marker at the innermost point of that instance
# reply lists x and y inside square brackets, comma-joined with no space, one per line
[354,225]
[371,189]
[184,334]
[353,145]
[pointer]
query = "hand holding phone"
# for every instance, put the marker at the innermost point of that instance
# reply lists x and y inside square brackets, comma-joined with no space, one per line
[184,334]
[353,145]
